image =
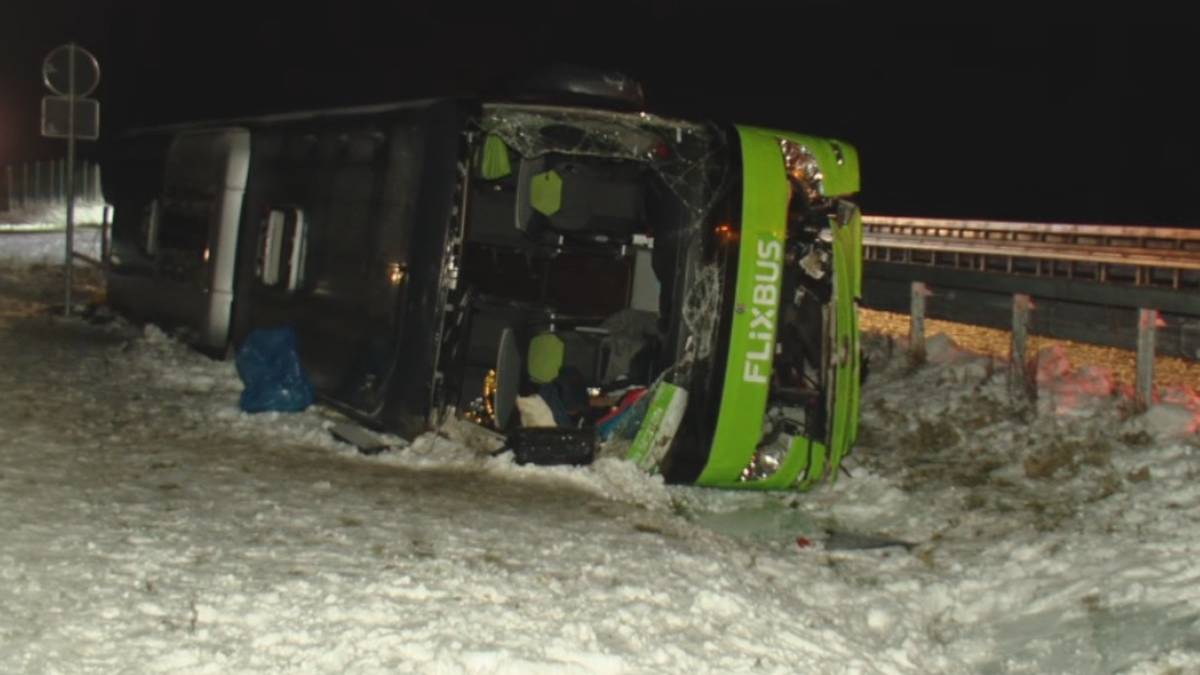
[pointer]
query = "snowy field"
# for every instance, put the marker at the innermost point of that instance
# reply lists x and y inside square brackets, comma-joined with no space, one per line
[37,235]
[148,526]
[53,216]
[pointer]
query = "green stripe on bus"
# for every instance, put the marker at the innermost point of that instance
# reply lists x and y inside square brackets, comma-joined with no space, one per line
[752,341]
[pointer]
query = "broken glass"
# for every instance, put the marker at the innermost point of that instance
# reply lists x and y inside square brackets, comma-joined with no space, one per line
[687,156]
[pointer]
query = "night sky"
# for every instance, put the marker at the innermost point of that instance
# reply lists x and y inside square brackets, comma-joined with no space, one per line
[1072,122]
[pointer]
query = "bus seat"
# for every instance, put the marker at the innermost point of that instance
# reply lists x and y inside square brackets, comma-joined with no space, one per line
[592,200]
[508,377]
[632,338]
[545,357]
[494,162]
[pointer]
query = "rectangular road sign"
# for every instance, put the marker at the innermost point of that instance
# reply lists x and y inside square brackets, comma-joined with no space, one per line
[56,117]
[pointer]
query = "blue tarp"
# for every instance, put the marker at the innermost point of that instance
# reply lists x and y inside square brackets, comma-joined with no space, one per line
[269,365]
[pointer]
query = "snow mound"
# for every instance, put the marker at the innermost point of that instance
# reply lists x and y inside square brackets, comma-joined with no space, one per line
[1166,422]
[941,349]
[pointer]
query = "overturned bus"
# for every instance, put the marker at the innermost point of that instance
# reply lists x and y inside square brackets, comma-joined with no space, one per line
[469,259]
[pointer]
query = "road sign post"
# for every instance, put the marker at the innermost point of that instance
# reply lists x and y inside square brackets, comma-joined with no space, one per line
[71,72]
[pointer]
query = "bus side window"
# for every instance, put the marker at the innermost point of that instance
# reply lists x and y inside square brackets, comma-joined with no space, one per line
[282,249]
[150,220]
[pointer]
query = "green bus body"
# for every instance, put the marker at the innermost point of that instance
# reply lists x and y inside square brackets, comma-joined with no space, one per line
[752,340]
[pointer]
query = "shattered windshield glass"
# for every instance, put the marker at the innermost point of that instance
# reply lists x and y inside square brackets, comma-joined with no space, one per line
[686,155]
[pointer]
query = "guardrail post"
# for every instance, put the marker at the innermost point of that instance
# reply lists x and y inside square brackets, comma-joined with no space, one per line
[61,197]
[916,326]
[106,239]
[1189,335]
[9,185]
[1018,373]
[1147,331]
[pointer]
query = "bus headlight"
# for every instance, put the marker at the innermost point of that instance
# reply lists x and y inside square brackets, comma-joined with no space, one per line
[767,460]
[802,168]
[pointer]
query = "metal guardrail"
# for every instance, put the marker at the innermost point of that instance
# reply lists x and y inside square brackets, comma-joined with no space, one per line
[1113,285]
[1141,256]
[34,185]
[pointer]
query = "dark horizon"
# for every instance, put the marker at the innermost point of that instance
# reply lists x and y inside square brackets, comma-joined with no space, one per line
[1071,122]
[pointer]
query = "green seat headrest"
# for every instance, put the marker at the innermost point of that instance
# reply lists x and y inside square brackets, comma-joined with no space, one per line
[545,193]
[494,164]
[545,357]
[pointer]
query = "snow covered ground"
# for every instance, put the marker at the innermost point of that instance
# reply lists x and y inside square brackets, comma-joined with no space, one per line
[36,235]
[150,526]
[51,216]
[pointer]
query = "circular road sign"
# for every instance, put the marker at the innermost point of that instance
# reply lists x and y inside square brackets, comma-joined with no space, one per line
[56,71]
